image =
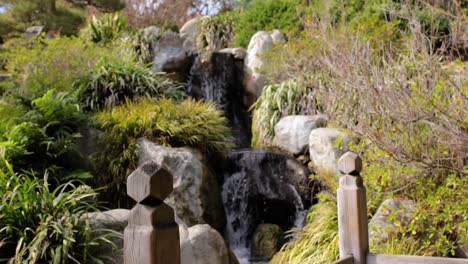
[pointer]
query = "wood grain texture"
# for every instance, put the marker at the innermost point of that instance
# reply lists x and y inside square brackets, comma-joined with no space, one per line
[400,259]
[346,260]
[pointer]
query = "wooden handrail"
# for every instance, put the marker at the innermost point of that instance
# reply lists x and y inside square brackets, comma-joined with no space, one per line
[346,260]
[352,222]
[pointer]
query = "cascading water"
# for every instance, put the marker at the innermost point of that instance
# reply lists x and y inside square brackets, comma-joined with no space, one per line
[219,79]
[260,187]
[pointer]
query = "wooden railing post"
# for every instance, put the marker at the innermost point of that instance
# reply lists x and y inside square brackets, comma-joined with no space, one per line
[152,236]
[352,210]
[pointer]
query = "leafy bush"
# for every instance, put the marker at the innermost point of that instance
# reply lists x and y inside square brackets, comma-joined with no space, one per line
[275,102]
[41,225]
[284,15]
[216,32]
[54,64]
[41,137]
[189,123]
[106,28]
[107,84]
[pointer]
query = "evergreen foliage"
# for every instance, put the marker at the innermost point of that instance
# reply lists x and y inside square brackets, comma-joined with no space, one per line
[188,123]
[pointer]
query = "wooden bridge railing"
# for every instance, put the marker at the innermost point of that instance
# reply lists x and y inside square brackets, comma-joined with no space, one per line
[352,222]
[152,235]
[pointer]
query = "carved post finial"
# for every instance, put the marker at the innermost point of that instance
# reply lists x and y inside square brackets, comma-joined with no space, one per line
[350,163]
[352,209]
[152,236]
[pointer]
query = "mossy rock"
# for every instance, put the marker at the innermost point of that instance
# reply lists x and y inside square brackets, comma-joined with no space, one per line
[266,241]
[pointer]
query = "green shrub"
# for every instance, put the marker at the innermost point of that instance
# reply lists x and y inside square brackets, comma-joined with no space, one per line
[106,28]
[284,15]
[108,84]
[41,225]
[189,123]
[41,137]
[54,64]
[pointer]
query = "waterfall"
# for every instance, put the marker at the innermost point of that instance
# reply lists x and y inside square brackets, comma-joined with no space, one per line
[218,79]
[259,187]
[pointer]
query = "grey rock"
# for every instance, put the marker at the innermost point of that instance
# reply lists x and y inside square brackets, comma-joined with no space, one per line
[266,241]
[381,224]
[238,53]
[277,36]
[190,32]
[462,251]
[259,44]
[32,32]
[326,145]
[115,220]
[196,197]
[169,54]
[202,244]
[292,132]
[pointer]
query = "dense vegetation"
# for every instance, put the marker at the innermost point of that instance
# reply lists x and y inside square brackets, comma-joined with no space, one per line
[392,73]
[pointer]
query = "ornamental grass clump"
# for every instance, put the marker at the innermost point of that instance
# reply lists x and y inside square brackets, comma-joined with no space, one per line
[189,123]
[108,84]
[43,225]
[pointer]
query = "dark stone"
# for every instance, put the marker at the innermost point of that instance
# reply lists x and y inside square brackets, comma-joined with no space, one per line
[263,187]
[219,79]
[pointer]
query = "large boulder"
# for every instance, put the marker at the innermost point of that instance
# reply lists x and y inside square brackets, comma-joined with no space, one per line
[170,55]
[260,43]
[254,81]
[201,244]
[196,197]
[115,220]
[190,32]
[292,132]
[391,215]
[326,145]
[267,240]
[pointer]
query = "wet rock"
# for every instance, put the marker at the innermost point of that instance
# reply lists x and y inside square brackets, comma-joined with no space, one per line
[261,187]
[196,197]
[267,240]
[292,132]
[219,80]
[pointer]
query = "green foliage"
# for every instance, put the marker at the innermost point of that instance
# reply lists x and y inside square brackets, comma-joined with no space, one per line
[216,32]
[189,123]
[275,102]
[39,224]
[284,15]
[106,28]
[56,15]
[41,137]
[54,64]
[141,42]
[108,84]
[318,240]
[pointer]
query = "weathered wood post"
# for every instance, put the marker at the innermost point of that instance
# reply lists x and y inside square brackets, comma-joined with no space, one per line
[152,236]
[352,210]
